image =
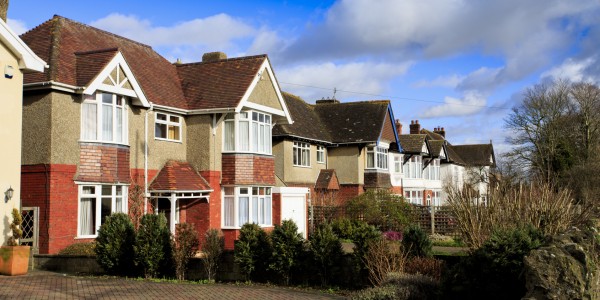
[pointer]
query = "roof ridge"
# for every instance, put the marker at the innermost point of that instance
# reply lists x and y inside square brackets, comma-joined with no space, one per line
[222,60]
[58,17]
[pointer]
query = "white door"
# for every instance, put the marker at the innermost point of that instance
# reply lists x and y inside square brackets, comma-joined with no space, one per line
[293,207]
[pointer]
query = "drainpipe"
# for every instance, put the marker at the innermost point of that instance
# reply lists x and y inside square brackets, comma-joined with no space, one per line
[312,214]
[146,158]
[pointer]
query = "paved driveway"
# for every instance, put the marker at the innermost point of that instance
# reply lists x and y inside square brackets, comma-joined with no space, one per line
[48,285]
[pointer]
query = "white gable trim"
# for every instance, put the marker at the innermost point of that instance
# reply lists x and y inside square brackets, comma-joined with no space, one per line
[266,66]
[266,109]
[424,148]
[28,60]
[98,82]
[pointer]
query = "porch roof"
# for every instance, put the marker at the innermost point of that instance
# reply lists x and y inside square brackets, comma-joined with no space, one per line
[179,176]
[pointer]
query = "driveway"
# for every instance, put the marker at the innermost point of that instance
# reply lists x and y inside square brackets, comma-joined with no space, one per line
[48,285]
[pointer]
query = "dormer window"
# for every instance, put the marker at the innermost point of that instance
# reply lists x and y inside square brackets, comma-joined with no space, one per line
[248,131]
[104,118]
[377,158]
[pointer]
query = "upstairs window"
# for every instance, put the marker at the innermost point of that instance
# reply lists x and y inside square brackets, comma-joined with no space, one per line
[104,118]
[321,154]
[413,168]
[432,172]
[167,127]
[248,131]
[301,154]
[377,158]
[398,164]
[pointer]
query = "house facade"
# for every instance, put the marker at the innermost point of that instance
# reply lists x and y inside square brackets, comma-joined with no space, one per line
[112,126]
[15,60]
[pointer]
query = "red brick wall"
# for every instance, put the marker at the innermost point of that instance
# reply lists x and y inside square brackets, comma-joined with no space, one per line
[398,190]
[103,163]
[231,235]
[248,169]
[52,189]
[425,194]
[276,208]
[137,177]
[349,191]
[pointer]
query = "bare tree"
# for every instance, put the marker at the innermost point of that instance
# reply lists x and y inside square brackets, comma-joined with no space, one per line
[586,106]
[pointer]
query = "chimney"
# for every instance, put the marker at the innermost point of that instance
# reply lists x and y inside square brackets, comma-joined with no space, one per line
[211,56]
[3,9]
[415,127]
[441,131]
[328,101]
[398,127]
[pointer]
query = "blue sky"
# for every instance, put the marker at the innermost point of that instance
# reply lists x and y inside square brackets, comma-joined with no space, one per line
[458,64]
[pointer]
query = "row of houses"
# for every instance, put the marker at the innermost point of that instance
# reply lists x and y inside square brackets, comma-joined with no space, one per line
[215,143]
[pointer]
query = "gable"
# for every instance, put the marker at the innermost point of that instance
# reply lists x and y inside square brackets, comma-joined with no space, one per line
[264,93]
[424,149]
[387,133]
[117,78]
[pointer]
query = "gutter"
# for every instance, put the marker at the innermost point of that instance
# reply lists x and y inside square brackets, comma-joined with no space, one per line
[53,85]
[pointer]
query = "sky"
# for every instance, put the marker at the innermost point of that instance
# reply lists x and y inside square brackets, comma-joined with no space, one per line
[457,64]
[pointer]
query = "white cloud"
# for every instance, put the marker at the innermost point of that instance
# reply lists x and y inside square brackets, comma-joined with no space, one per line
[17,26]
[216,33]
[450,81]
[573,70]
[315,81]
[471,103]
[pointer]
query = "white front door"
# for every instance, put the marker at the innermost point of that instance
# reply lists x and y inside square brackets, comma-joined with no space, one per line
[293,207]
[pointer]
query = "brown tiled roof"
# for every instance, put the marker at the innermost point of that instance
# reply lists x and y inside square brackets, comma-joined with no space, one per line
[218,84]
[432,135]
[327,180]
[353,122]
[89,64]
[307,123]
[476,154]
[435,147]
[412,143]
[453,157]
[179,176]
[76,52]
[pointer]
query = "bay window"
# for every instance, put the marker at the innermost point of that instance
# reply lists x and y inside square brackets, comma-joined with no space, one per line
[413,168]
[104,118]
[432,172]
[96,202]
[243,205]
[248,131]
[414,196]
[301,154]
[377,158]
[167,127]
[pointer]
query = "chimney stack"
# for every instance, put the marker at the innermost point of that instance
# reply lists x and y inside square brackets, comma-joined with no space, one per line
[415,127]
[398,126]
[441,131]
[328,101]
[211,56]
[3,9]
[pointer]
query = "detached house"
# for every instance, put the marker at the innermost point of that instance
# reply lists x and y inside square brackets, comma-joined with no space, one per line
[15,60]
[338,150]
[110,115]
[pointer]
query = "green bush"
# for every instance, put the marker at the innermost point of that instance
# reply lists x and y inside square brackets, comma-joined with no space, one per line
[416,242]
[326,251]
[380,208]
[152,246]
[494,270]
[185,244]
[212,248]
[253,251]
[114,244]
[287,245]
[79,249]
[343,228]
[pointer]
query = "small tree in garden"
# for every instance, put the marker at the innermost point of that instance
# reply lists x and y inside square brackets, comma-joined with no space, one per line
[382,258]
[136,203]
[212,248]
[416,242]
[326,250]
[15,227]
[184,247]
[287,245]
[380,208]
[252,250]
[114,244]
[152,244]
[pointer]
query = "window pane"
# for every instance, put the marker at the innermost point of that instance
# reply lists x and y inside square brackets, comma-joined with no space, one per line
[162,117]
[107,122]
[160,131]
[229,136]
[106,190]
[255,210]
[243,210]
[89,190]
[255,136]
[119,130]
[106,209]
[174,119]
[267,209]
[119,207]
[229,190]
[228,211]
[370,160]
[90,117]
[174,133]
[87,215]
[244,138]
[107,98]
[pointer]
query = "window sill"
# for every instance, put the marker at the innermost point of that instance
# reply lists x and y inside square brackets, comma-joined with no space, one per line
[238,228]
[246,152]
[299,166]
[84,237]
[321,162]
[103,142]
[168,140]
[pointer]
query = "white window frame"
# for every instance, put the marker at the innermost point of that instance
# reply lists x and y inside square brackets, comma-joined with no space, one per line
[97,196]
[168,124]
[320,154]
[413,169]
[97,100]
[380,158]
[259,206]
[414,196]
[259,135]
[301,154]
[398,164]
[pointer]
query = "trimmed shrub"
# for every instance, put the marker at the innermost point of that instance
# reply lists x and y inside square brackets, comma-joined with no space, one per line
[380,208]
[212,248]
[185,244]
[114,244]
[152,246]
[416,242]
[79,249]
[427,266]
[326,251]
[287,245]
[494,270]
[343,228]
[252,251]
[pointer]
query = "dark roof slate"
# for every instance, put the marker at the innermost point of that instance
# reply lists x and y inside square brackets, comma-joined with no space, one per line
[435,147]
[412,143]
[476,154]
[307,123]
[179,176]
